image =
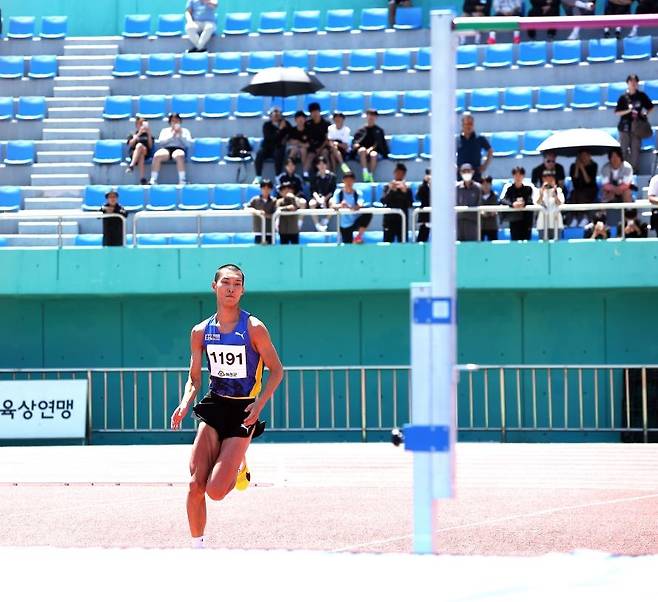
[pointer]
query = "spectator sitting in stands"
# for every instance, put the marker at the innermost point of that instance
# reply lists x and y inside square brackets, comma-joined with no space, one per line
[634,227]
[470,148]
[551,197]
[475,8]
[585,190]
[469,194]
[173,142]
[290,177]
[543,8]
[266,203]
[549,163]
[289,225]
[275,136]
[575,8]
[340,138]
[633,108]
[298,140]
[597,229]
[397,195]
[393,8]
[488,219]
[140,147]
[507,8]
[323,186]
[113,227]
[200,17]
[518,195]
[423,196]
[317,128]
[653,199]
[616,7]
[617,179]
[348,198]
[369,144]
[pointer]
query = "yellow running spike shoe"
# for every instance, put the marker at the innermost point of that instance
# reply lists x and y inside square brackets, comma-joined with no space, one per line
[244,476]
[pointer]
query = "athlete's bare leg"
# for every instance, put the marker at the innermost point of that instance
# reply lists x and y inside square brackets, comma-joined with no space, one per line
[204,455]
[224,473]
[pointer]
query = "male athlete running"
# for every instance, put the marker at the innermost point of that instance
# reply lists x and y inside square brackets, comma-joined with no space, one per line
[236,346]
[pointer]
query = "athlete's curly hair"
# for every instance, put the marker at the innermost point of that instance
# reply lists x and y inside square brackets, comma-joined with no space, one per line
[231,266]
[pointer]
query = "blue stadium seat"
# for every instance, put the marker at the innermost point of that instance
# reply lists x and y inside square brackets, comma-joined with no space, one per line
[108,152]
[10,198]
[551,97]
[403,146]
[43,67]
[426,147]
[227,196]
[6,108]
[484,100]
[216,238]
[88,240]
[518,98]
[163,197]
[243,238]
[385,102]
[341,19]
[127,65]
[328,61]
[498,184]
[287,105]
[11,67]
[19,152]
[305,21]
[373,236]
[227,63]
[136,26]
[295,58]
[194,63]
[118,107]
[532,139]
[185,104]
[423,59]
[649,143]
[350,103]
[364,189]
[152,106]
[613,93]
[237,23]
[195,197]
[251,190]
[573,233]
[94,197]
[650,88]
[532,54]
[460,101]
[207,150]
[408,18]
[272,22]
[602,51]
[21,27]
[249,106]
[498,55]
[467,56]
[131,197]
[566,52]
[312,238]
[259,60]
[53,28]
[396,59]
[586,96]
[152,240]
[170,25]
[216,105]
[374,19]
[637,48]
[322,98]
[161,64]
[184,239]
[416,102]
[505,144]
[31,107]
[362,60]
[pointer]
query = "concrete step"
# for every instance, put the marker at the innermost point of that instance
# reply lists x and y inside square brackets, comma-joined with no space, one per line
[57,203]
[60,113]
[47,227]
[61,168]
[80,61]
[71,134]
[65,102]
[71,91]
[63,146]
[64,156]
[92,80]
[56,191]
[71,123]
[62,180]
[90,49]
[84,70]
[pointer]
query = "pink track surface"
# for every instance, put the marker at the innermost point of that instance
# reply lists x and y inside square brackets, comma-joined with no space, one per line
[511,499]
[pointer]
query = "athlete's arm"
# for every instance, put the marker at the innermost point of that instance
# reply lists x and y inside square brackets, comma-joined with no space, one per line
[262,343]
[193,383]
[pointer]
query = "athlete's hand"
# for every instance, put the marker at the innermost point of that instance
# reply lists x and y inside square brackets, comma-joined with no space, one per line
[254,409]
[177,417]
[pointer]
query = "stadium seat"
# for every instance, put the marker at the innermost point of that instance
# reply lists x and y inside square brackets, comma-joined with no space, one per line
[19,152]
[498,184]
[243,238]
[498,55]
[152,106]
[460,101]
[339,20]
[518,98]
[227,63]
[170,25]
[613,93]
[551,97]
[426,147]
[227,196]
[364,189]
[295,58]
[152,240]
[305,21]
[127,65]
[11,67]
[602,51]
[184,239]
[312,238]
[566,52]
[251,190]
[322,98]
[53,28]
[649,143]
[21,27]
[43,67]
[216,238]
[350,103]
[237,24]
[207,150]
[586,96]
[385,102]
[532,54]
[287,105]
[88,240]
[272,22]
[362,60]
[416,102]
[249,106]
[650,88]
[396,59]
[31,107]
[373,236]
[118,107]
[423,59]
[532,139]
[94,197]
[10,198]
[108,152]
[408,18]
[328,61]
[161,64]
[136,26]
[259,60]
[374,19]
[505,144]
[185,104]
[484,100]
[573,233]
[193,63]
[403,147]
[163,197]
[637,48]
[195,197]
[467,56]
[6,108]
[132,197]
[216,105]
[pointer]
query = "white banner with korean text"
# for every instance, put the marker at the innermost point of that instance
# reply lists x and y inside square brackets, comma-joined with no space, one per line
[43,409]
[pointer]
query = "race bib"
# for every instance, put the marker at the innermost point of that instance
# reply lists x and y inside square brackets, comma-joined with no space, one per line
[227,361]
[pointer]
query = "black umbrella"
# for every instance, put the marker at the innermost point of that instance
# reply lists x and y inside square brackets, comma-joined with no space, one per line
[283,81]
[569,142]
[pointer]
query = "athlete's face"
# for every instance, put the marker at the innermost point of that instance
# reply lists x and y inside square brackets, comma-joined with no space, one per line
[228,288]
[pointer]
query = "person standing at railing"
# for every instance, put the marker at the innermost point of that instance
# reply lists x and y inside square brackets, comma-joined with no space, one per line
[488,219]
[323,186]
[469,194]
[423,196]
[237,348]
[518,195]
[113,226]
[397,195]
[349,198]
[289,225]
[551,197]
[597,229]
[653,199]
[633,108]
[266,203]
[632,225]
[200,17]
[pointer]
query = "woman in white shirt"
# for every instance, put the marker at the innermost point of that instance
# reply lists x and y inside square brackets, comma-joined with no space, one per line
[340,138]
[551,197]
[173,142]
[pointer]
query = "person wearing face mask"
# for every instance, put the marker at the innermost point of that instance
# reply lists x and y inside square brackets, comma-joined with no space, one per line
[518,195]
[469,194]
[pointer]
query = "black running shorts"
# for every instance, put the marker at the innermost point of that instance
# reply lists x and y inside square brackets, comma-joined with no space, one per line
[226,416]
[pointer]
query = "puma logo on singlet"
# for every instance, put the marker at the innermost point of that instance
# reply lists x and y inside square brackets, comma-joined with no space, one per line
[241,334]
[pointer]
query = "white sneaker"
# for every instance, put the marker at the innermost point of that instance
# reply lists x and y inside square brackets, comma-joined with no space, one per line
[633,32]
[583,222]
[321,227]
[575,34]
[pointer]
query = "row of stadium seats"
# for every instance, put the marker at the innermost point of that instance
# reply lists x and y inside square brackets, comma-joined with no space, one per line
[40,67]
[25,27]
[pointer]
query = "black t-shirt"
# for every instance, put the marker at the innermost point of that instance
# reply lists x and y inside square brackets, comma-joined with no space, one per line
[423,196]
[637,102]
[273,135]
[293,180]
[536,176]
[324,186]
[578,182]
[511,195]
[469,150]
[113,227]
[369,136]
[298,135]
[317,132]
